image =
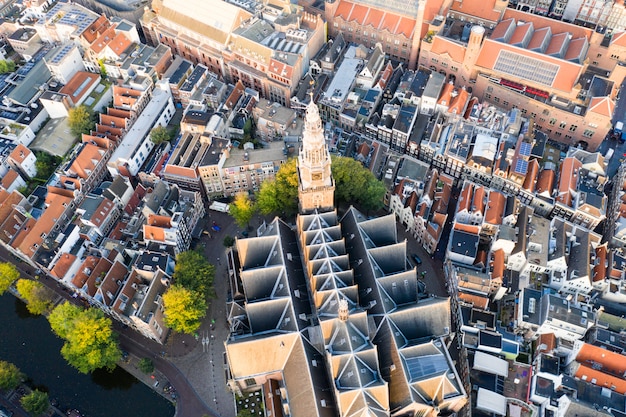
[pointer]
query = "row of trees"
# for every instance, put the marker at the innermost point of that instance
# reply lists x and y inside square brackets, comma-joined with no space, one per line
[354,185]
[186,301]
[35,402]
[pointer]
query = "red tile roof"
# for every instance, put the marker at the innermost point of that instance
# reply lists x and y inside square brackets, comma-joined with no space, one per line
[531,176]
[9,178]
[545,183]
[498,264]
[483,9]
[602,105]
[71,88]
[568,179]
[62,266]
[478,203]
[599,269]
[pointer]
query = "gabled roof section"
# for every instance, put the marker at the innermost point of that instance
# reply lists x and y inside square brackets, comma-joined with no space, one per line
[602,105]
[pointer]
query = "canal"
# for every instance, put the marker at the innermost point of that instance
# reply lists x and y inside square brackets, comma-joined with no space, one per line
[28,342]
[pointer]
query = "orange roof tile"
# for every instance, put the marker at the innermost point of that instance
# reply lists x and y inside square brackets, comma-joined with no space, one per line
[603,359]
[119,44]
[498,264]
[539,22]
[87,160]
[483,9]
[601,379]
[96,28]
[8,201]
[539,37]
[565,79]
[23,233]
[376,19]
[531,176]
[62,266]
[568,179]
[602,105]
[576,49]
[478,202]
[521,31]
[619,39]
[545,183]
[495,208]
[154,233]
[468,228]
[57,204]
[83,80]
[446,94]
[465,198]
[103,40]
[548,340]
[458,103]
[20,153]
[476,300]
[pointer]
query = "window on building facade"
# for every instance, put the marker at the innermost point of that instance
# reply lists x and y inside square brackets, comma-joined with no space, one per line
[562,125]
[573,128]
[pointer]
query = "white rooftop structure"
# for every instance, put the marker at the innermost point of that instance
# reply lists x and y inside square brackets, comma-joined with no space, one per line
[490,402]
[491,364]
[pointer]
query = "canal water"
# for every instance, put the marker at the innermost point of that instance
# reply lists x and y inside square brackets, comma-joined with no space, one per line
[28,342]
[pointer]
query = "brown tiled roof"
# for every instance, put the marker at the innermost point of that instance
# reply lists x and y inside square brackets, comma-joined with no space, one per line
[102,212]
[9,178]
[87,160]
[7,201]
[576,49]
[20,153]
[159,221]
[539,36]
[84,271]
[155,233]
[501,29]
[599,269]
[498,264]
[556,43]
[619,39]
[468,228]
[458,103]
[495,208]
[103,40]
[548,340]
[443,45]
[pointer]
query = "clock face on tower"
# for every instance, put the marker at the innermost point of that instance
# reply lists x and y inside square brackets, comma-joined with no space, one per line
[316,176]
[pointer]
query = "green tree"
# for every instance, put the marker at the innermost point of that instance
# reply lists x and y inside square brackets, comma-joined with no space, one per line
[8,275]
[103,70]
[90,343]
[194,272]
[242,209]
[356,185]
[46,164]
[10,376]
[35,403]
[146,365]
[281,194]
[38,297]
[80,120]
[160,134]
[6,66]
[229,241]
[184,309]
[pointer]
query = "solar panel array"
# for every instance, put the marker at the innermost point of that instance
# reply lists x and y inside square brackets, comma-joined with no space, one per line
[525,149]
[58,57]
[423,367]
[521,166]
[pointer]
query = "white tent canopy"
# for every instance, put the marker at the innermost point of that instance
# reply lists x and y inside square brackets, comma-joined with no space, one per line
[490,402]
[491,364]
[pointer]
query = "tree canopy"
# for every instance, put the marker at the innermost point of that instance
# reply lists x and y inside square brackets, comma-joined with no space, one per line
[281,194]
[10,376]
[46,164]
[80,120]
[6,66]
[8,275]
[38,298]
[160,134]
[194,272]
[354,185]
[146,365]
[242,209]
[36,402]
[90,343]
[184,309]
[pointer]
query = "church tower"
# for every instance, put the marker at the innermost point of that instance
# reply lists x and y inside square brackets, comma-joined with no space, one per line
[316,185]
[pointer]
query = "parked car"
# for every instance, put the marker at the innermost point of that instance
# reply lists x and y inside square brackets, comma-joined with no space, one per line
[417,260]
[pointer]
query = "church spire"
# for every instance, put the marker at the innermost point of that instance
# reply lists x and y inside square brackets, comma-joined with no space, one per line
[316,184]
